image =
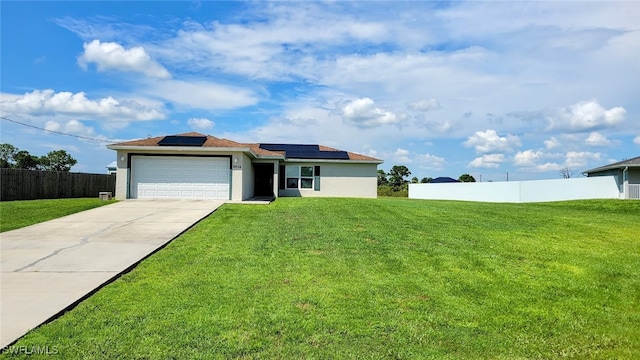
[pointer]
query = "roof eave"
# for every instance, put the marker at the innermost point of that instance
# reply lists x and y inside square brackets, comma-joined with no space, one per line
[335,161]
[180,148]
[605,168]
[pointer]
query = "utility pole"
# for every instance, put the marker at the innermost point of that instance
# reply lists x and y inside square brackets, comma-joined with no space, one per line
[507,176]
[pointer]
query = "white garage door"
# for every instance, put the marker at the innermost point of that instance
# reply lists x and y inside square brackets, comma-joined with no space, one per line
[179,177]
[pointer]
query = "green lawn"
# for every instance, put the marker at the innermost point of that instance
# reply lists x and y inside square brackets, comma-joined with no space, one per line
[371,279]
[17,214]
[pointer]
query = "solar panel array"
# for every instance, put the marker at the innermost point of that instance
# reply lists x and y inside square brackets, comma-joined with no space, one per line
[176,140]
[293,151]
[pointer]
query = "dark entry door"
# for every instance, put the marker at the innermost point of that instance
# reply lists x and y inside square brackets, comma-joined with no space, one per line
[263,185]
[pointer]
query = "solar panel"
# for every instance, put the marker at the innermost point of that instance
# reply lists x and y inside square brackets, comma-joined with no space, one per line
[326,155]
[289,147]
[295,151]
[176,140]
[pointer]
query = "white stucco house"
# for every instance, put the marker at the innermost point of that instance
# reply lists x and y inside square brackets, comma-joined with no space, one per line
[193,165]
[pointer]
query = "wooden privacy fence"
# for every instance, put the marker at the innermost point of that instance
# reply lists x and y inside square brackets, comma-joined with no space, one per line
[19,184]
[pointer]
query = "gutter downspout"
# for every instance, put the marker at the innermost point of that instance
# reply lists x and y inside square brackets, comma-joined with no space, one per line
[625,182]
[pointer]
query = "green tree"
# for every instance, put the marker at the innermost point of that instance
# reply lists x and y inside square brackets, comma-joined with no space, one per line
[7,152]
[57,160]
[397,175]
[24,160]
[466,178]
[425,180]
[415,180]
[382,178]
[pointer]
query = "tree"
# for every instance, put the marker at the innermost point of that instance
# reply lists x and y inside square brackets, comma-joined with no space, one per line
[466,178]
[382,178]
[24,160]
[567,172]
[57,160]
[415,180]
[7,152]
[397,175]
[426,180]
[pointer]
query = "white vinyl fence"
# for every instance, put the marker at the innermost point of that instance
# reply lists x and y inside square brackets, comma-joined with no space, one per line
[599,187]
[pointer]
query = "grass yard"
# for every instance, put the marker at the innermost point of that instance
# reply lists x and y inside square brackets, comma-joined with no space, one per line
[17,214]
[371,279]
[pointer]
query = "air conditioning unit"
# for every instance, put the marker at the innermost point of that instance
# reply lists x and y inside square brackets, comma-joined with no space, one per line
[105,195]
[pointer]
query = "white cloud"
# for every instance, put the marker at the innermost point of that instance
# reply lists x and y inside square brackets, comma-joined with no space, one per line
[489,141]
[586,115]
[429,161]
[48,102]
[576,159]
[278,40]
[372,153]
[364,113]
[200,124]
[527,158]
[201,94]
[533,160]
[597,139]
[636,140]
[402,156]
[549,166]
[112,56]
[52,125]
[73,127]
[425,105]
[490,161]
[551,143]
[471,18]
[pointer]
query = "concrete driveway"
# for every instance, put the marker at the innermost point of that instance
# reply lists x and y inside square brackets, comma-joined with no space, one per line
[50,266]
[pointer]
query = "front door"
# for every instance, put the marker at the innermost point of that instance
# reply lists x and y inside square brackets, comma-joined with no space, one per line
[263,185]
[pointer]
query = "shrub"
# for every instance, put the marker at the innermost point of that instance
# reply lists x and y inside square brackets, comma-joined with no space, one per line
[387,190]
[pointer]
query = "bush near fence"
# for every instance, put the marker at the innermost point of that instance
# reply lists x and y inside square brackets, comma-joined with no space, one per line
[19,184]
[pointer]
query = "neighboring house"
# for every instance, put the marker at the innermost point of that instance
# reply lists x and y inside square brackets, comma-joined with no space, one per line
[443,179]
[112,167]
[194,165]
[627,174]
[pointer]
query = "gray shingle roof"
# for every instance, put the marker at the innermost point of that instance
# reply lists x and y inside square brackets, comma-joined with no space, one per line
[633,162]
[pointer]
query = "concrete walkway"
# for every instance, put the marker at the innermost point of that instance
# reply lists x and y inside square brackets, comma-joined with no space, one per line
[49,266]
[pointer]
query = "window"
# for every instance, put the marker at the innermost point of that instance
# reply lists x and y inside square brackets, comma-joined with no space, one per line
[299,177]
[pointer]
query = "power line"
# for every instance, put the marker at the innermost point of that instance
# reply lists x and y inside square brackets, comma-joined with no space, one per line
[56,132]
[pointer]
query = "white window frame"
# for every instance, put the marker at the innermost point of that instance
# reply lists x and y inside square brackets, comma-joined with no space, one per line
[294,176]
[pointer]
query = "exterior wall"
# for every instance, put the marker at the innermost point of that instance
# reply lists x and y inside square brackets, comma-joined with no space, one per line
[276,178]
[122,173]
[632,187]
[612,172]
[628,181]
[634,176]
[339,180]
[601,187]
[122,176]
[247,176]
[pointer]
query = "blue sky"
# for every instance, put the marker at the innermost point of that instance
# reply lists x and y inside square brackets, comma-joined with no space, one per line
[445,88]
